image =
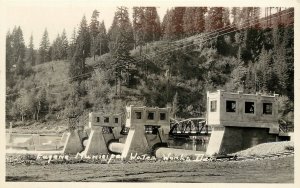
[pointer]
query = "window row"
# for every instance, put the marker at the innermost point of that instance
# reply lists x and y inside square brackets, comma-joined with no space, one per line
[249,107]
[106,120]
[150,116]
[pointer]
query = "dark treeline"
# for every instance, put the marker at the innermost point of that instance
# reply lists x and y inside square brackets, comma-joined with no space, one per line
[108,69]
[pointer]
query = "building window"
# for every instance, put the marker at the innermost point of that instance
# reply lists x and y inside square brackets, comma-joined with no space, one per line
[249,107]
[106,119]
[138,115]
[97,119]
[267,108]
[162,116]
[213,106]
[116,120]
[151,115]
[230,106]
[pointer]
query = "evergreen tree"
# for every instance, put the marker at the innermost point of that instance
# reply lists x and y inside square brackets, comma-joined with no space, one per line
[94,31]
[102,40]
[139,25]
[152,28]
[263,75]
[177,21]
[121,32]
[214,19]
[72,46]
[31,52]
[64,45]
[84,38]
[189,21]
[226,20]
[55,49]
[253,44]
[236,16]
[289,54]
[77,67]
[167,25]
[9,52]
[249,16]
[41,103]
[121,37]
[18,46]
[173,23]
[20,69]
[44,48]
[199,20]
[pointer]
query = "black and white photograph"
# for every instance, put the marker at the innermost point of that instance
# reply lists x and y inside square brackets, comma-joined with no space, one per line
[100,91]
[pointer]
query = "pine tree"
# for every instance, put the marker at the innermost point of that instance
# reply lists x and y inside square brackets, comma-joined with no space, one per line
[44,48]
[121,33]
[77,67]
[18,46]
[199,20]
[249,16]
[102,40]
[189,21]
[94,31]
[41,103]
[264,71]
[235,12]
[31,54]
[84,38]
[225,17]
[177,23]
[167,25]
[55,49]
[20,70]
[152,28]
[9,52]
[214,19]
[139,25]
[64,45]
[121,37]
[72,46]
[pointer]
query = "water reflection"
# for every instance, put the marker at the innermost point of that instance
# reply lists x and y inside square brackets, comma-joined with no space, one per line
[193,143]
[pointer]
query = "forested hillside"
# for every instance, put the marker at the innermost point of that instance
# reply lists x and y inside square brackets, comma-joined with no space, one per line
[150,61]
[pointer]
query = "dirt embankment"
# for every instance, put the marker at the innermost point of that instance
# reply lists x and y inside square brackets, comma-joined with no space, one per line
[267,148]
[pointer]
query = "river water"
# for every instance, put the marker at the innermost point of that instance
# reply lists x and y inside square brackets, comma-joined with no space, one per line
[195,144]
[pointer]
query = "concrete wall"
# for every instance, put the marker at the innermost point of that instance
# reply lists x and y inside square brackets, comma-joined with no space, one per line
[215,140]
[132,120]
[108,120]
[73,143]
[232,139]
[213,118]
[240,138]
[239,118]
